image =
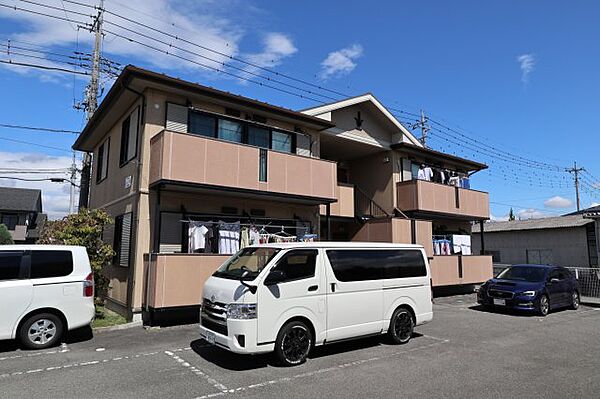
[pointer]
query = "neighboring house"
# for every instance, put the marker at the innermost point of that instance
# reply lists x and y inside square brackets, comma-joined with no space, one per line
[171,156]
[569,240]
[21,212]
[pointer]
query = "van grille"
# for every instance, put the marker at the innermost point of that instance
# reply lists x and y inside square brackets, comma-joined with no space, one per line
[214,316]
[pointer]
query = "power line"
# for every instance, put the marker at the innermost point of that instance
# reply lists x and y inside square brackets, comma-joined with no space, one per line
[15,8]
[45,67]
[34,144]
[44,129]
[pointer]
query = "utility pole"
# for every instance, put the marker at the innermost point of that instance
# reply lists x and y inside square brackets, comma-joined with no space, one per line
[422,124]
[575,171]
[91,103]
[72,188]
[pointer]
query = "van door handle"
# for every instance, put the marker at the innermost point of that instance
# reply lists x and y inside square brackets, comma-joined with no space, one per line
[332,287]
[313,288]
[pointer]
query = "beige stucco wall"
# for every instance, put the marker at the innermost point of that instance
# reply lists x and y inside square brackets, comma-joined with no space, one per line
[374,125]
[475,269]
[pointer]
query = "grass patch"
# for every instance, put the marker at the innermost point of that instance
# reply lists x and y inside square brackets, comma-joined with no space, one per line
[107,318]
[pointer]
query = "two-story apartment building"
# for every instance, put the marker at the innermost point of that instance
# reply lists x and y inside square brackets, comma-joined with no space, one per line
[21,213]
[190,173]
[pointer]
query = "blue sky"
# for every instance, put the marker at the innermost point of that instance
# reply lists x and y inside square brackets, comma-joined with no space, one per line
[519,77]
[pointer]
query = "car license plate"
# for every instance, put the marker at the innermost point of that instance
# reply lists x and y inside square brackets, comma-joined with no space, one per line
[210,337]
[500,302]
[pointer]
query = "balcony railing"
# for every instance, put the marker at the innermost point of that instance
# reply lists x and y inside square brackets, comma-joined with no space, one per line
[425,196]
[195,159]
[457,269]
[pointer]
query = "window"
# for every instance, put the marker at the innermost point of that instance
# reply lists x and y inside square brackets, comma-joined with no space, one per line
[46,264]
[258,136]
[102,161]
[122,240]
[360,265]
[202,125]
[298,264]
[129,137]
[10,220]
[262,165]
[10,265]
[281,141]
[230,130]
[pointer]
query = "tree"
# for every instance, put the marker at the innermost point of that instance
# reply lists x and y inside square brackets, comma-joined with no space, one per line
[5,237]
[511,215]
[84,229]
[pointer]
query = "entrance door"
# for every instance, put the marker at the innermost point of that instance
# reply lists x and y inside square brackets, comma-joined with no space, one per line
[15,292]
[354,294]
[301,293]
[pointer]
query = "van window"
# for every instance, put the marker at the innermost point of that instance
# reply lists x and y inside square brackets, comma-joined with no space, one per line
[360,265]
[298,264]
[10,265]
[45,264]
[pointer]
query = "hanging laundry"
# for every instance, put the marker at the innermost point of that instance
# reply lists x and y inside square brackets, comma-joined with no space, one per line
[196,236]
[254,237]
[244,238]
[229,237]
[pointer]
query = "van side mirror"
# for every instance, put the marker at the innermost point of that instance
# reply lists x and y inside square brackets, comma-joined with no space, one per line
[274,277]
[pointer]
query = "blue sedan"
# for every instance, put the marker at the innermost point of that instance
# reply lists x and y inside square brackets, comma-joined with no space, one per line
[537,288]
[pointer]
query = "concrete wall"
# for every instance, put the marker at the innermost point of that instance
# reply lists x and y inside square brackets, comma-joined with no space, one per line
[568,245]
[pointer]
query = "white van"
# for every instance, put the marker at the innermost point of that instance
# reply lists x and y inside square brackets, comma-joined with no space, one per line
[288,298]
[45,290]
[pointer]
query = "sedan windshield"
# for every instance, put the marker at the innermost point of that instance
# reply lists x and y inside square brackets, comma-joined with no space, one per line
[523,273]
[252,260]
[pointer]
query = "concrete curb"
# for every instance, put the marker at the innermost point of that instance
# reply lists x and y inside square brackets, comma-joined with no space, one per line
[125,326]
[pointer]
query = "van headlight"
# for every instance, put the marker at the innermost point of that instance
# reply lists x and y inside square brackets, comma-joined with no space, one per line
[241,311]
[530,294]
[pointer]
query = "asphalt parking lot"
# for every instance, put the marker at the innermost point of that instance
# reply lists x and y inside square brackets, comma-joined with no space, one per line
[464,352]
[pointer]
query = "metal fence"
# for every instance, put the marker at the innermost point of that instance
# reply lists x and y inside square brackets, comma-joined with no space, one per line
[588,278]
[589,283]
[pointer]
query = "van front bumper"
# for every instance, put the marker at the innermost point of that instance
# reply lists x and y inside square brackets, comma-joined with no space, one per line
[240,338]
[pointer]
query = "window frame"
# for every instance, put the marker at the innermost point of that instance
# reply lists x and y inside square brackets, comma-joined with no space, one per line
[286,254]
[100,171]
[118,240]
[11,215]
[246,124]
[125,138]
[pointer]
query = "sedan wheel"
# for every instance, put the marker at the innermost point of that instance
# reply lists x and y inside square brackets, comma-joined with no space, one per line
[544,305]
[575,300]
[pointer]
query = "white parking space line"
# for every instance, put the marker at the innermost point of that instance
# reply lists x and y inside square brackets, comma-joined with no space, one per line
[76,365]
[197,371]
[62,349]
[439,341]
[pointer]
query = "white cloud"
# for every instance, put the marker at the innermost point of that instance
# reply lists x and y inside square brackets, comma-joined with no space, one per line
[341,62]
[210,24]
[55,196]
[527,64]
[558,202]
[530,213]
[593,204]
[276,47]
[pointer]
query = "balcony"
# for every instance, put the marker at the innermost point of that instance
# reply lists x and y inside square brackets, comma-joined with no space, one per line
[19,233]
[428,197]
[456,269]
[197,160]
[344,205]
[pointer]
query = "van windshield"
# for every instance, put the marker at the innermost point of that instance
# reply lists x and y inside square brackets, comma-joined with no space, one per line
[252,260]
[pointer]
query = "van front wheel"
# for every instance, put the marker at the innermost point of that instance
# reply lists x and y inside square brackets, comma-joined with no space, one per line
[41,331]
[401,326]
[293,343]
